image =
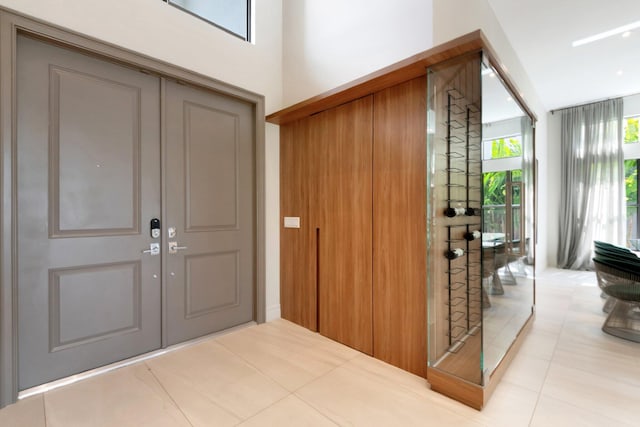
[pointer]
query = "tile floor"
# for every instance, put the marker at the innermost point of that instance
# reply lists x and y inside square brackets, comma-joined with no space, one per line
[568,373]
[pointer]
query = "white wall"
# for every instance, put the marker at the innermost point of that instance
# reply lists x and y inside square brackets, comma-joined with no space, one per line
[331,42]
[156,29]
[632,105]
[449,23]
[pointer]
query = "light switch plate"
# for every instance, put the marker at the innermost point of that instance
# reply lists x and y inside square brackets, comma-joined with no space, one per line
[291,222]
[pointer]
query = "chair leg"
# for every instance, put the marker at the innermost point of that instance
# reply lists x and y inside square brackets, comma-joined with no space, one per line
[623,321]
[608,304]
[496,284]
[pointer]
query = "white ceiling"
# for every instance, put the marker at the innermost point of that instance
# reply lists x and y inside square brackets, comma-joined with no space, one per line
[541,33]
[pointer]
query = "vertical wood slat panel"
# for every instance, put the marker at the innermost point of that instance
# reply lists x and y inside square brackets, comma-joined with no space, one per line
[344,208]
[297,246]
[399,226]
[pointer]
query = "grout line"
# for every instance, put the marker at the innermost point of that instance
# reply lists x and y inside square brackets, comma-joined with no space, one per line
[44,409]
[168,394]
[200,394]
[257,368]
[312,406]
[546,374]
[263,409]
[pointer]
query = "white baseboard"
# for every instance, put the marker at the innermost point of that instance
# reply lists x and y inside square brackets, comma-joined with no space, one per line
[273,312]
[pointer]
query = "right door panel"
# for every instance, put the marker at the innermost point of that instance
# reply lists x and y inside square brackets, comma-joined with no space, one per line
[342,209]
[399,226]
[209,198]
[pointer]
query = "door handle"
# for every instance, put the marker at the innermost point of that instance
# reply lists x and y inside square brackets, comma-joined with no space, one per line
[154,249]
[174,248]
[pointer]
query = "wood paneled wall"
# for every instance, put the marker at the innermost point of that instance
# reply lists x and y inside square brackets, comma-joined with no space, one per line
[298,289]
[343,205]
[355,174]
[399,226]
[325,179]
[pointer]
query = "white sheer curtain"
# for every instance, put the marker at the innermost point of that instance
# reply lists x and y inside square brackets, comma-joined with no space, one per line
[592,185]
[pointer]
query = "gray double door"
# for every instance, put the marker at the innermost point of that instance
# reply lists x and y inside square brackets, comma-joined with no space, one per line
[102,150]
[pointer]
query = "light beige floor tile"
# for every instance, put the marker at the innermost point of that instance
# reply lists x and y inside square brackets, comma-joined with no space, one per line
[286,328]
[592,392]
[527,371]
[510,405]
[384,372]
[127,397]
[588,333]
[24,413]
[351,396]
[555,413]
[290,360]
[391,377]
[290,411]
[547,324]
[219,377]
[539,344]
[605,362]
[197,407]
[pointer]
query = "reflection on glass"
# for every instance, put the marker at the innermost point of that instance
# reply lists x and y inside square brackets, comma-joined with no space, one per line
[508,209]
[230,15]
[454,209]
[480,153]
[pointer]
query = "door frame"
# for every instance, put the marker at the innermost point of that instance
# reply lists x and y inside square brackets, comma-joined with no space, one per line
[11,25]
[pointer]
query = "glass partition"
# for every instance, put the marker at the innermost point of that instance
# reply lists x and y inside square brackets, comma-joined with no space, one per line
[508,216]
[480,216]
[454,219]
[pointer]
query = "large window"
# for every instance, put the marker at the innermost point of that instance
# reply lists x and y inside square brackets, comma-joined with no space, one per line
[233,16]
[631,166]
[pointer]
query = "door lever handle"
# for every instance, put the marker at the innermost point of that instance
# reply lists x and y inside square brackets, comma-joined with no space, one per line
[154,249]
[174,248]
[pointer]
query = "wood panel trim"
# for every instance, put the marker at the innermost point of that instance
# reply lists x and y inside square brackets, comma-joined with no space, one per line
[400,72]
[463,391]
[471,394]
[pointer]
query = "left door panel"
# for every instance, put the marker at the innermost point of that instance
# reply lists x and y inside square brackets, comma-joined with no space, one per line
[88,184]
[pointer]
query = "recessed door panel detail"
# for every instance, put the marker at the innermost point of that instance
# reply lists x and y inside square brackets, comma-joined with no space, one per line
[211,156]
[211,283]
[96,280]
[88,178]
[95,155]
[91,303]
[210,204]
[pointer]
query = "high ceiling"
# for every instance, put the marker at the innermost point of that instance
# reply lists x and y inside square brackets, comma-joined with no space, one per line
[542,31]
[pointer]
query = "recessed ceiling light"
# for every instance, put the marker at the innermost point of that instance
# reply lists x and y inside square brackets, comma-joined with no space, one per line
[626,34]
[492,74]
[604,35]
[619,72]
[509,98]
